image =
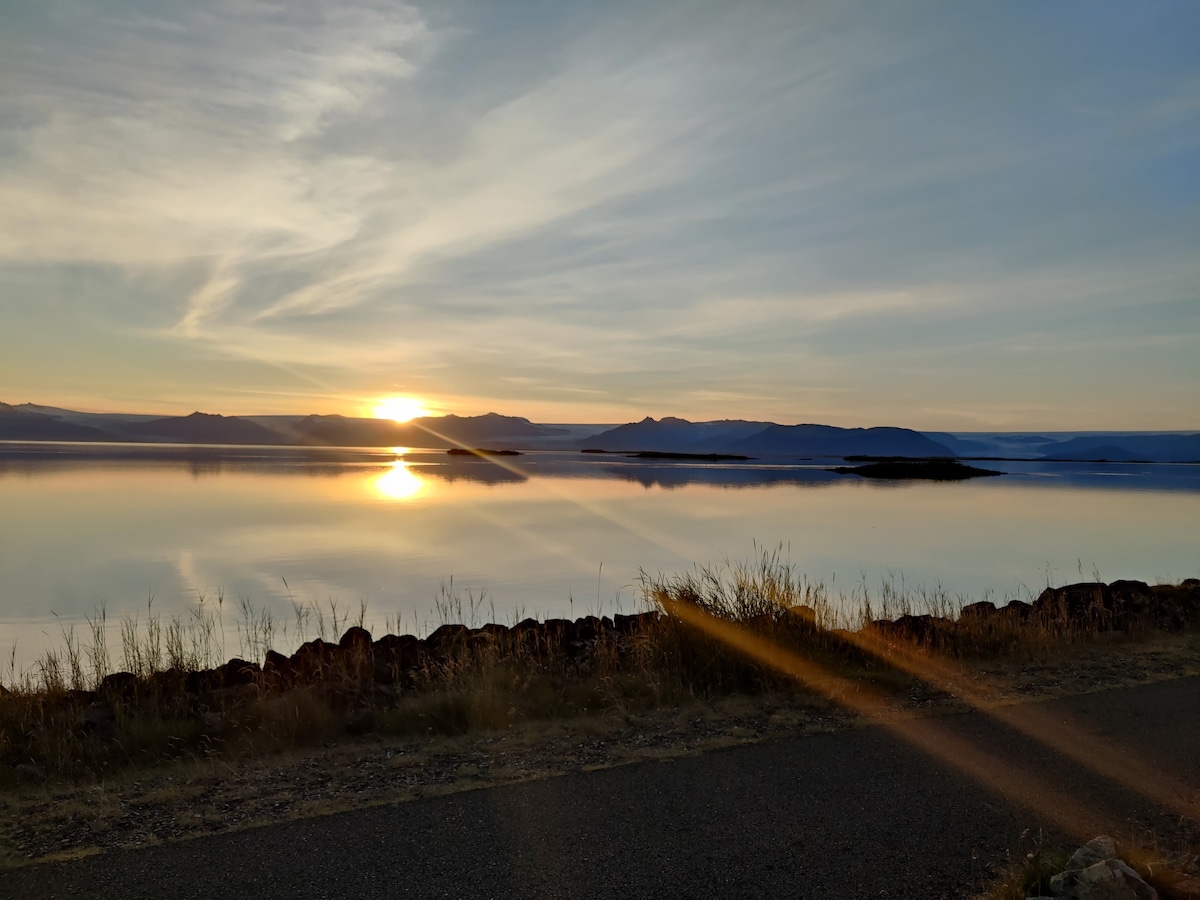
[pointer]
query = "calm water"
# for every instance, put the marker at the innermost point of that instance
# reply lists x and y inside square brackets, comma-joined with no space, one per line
[84,527]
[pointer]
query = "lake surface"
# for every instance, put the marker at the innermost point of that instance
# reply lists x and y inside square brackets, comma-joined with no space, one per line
[85,527]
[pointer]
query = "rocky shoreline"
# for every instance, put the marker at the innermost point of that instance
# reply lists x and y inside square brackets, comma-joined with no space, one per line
[362,675]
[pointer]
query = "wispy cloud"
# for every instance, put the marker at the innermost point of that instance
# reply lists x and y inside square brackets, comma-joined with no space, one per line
[686,206]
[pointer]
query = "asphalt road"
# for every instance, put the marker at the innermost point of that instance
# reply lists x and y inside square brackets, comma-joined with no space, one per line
[849,815]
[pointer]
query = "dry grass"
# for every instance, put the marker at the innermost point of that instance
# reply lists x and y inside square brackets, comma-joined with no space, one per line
[63,720]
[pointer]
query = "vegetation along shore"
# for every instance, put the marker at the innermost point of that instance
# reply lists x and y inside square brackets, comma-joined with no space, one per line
[719,656]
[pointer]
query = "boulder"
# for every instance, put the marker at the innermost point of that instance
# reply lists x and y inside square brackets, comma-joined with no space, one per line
[1088,602]
[1098,849]
[558,631]
[1109,879]
[313,659]
[984,609]
[119,684]
[526,628]
[446,637]
[635,623]
[279,667]
[356,639]
[1016,611]
[236,672]
[1095,873]
[587,628]
[924,629]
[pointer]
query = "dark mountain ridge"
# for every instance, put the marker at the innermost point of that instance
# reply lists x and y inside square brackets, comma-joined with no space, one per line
[17,424]
[673,435]
[828,440]
[1135,447]
[31,422]
[205,428]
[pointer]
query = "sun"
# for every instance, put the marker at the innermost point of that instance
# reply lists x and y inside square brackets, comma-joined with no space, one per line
[399,409]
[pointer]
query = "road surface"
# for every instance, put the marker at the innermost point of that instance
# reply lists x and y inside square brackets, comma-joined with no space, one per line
[847,815]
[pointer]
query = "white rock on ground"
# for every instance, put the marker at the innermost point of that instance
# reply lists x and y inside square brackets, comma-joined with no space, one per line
[1095,873]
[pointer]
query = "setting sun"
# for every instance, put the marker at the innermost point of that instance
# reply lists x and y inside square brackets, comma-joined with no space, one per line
[399,409]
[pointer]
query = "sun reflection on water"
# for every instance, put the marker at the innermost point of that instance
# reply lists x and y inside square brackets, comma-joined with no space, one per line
[399,482]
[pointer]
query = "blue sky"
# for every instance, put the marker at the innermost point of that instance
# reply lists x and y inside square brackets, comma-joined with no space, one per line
[940,215]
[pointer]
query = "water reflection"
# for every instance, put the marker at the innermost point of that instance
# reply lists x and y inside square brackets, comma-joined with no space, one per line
[556,534]
[407,469]
[399,482]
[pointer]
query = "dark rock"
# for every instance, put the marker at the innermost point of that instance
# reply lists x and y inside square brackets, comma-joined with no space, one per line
[314,659]
[446,637]
[356,638]
[1127,590]
[236,672]
[479,640]
[587,628]
[526,628]
[119,684]
[385,672]
[199,681]
[279,667]
[394,658]
[168,683]
[924,629]
[984,609]
[558,631]
[391,644]
[635,623]
[1086,603]
[1016,611]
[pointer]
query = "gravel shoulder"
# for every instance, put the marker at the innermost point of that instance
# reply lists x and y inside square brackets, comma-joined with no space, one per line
[157,809]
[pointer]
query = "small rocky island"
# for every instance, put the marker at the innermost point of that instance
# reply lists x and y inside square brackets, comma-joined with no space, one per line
[481,451]
[928,469]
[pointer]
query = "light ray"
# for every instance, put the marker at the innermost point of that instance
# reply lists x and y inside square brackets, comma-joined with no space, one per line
[1068,813]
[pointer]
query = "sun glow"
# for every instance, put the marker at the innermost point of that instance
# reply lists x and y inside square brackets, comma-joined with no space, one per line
[399,409]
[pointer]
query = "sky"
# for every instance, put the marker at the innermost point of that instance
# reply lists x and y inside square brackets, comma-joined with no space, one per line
[940,215]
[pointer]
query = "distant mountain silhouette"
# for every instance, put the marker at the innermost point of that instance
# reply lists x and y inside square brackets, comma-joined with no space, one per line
[826,440]
[203,428]
[31,422]
[341,431]
[961,446]
[440,432]
[672,435]
[1129,448]
[16,424]
[488,427]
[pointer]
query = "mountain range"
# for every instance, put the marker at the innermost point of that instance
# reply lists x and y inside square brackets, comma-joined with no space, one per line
[30,422]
